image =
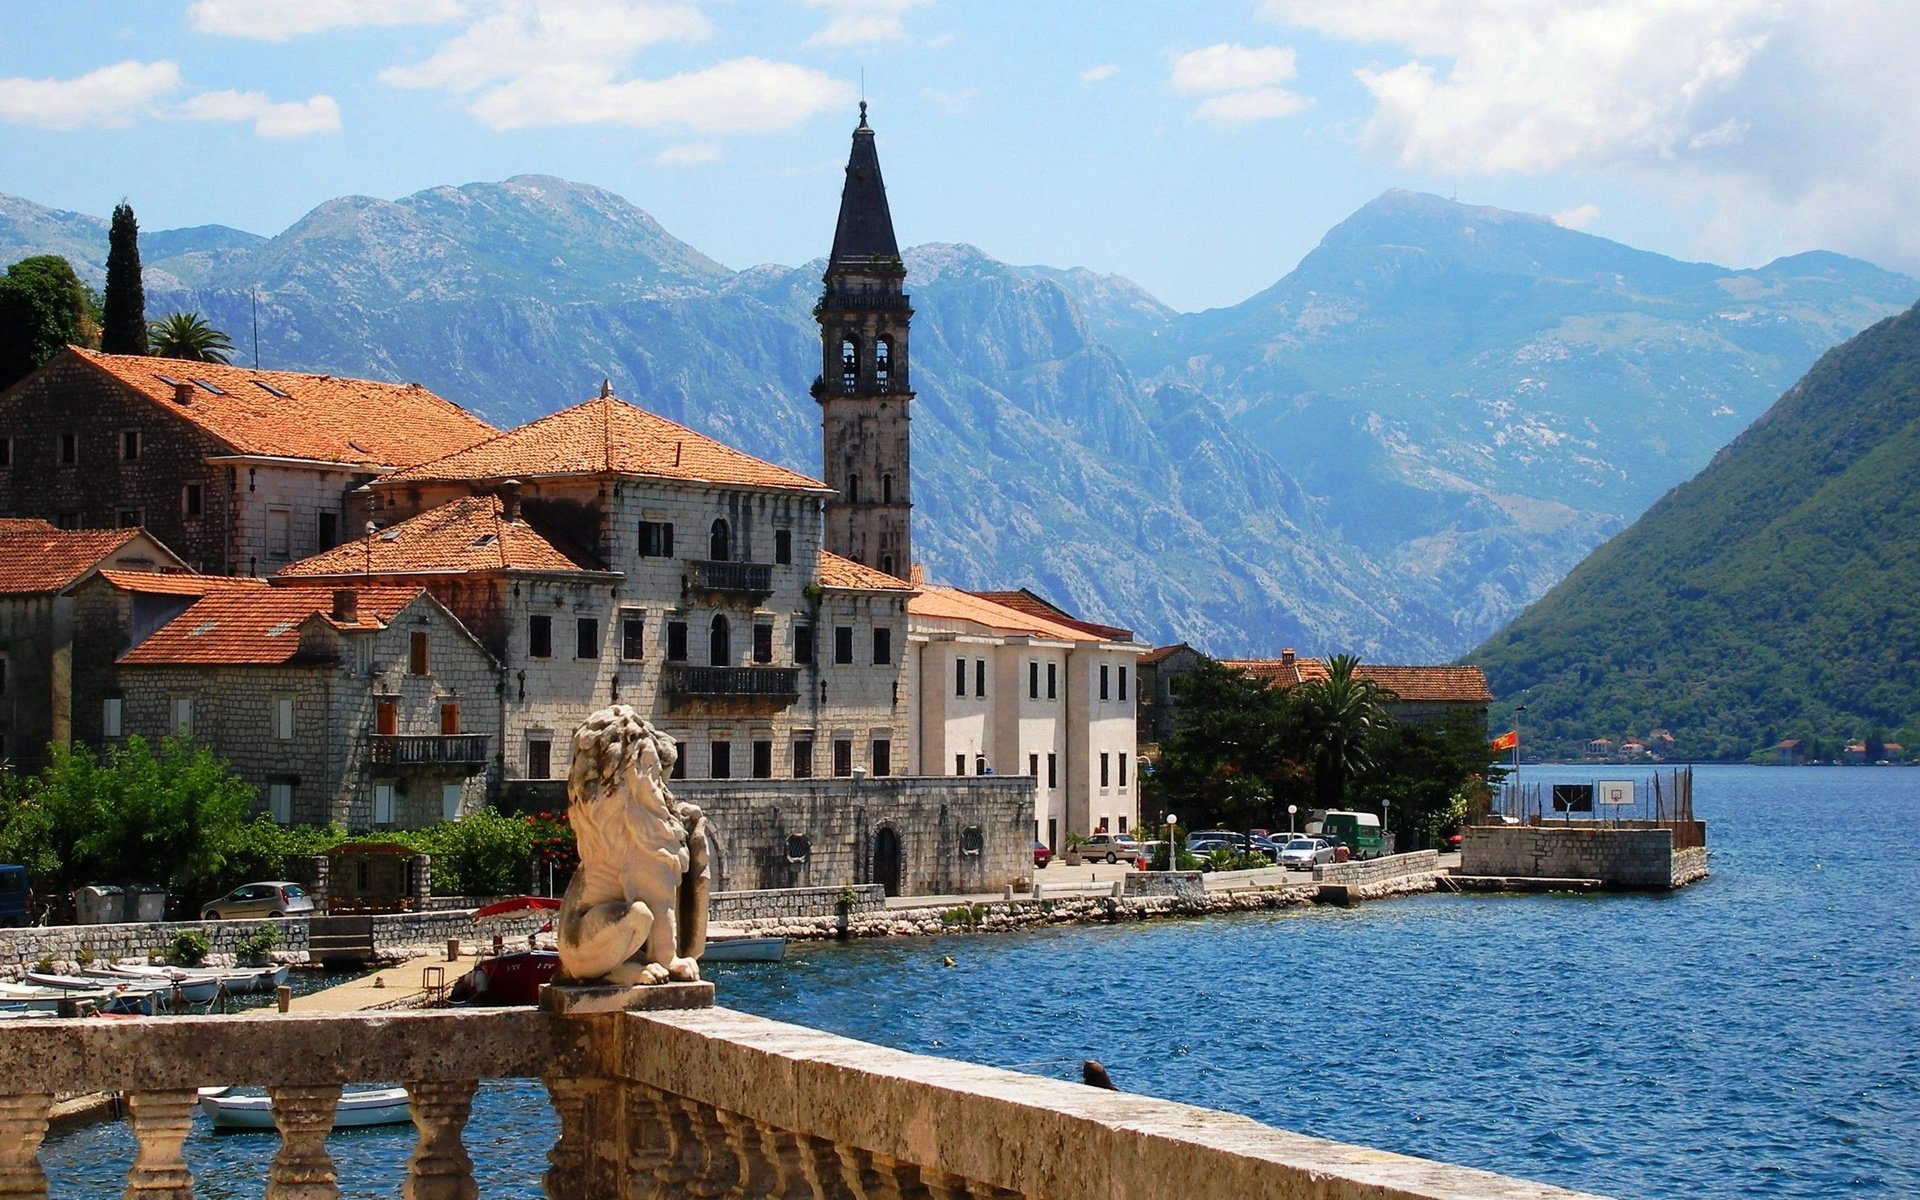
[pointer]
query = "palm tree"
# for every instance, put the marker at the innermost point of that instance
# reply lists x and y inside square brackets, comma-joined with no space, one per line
[1339,715]
[187,335]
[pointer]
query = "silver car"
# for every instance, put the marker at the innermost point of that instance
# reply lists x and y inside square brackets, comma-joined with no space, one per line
[1304,853]
[280,898]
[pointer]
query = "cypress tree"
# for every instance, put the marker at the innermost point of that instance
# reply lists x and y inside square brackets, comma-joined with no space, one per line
[123,328]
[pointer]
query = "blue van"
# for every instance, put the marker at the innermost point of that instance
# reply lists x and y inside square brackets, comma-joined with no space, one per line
[16,898]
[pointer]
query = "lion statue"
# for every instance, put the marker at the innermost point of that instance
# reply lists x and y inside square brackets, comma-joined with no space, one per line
[636,911]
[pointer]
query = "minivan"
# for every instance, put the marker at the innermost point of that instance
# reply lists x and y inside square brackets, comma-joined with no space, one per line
[1358,831]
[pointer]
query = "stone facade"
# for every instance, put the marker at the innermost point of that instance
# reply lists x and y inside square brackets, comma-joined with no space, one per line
[1627,856]
[1389,875]
[911,836]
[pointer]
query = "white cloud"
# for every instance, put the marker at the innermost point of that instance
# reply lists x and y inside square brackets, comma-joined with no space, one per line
[1241,82]
[1230,67]
[1577,218]
[1791,120]
[1096,74]
[689,152]
[110,97]
[564,62]
[279,20]
[288,119]
[862,22]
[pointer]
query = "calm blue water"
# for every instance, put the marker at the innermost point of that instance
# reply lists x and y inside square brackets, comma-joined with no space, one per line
[1757,1034]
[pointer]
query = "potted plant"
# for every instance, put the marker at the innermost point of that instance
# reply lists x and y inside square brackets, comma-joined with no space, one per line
[1074,842]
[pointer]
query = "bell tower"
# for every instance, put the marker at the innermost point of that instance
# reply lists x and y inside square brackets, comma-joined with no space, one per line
[863,389]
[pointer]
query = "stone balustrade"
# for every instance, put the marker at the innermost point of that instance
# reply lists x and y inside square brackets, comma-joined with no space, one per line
[673,1103]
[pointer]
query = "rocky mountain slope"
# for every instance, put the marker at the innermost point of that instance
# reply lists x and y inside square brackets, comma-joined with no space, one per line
[1390,451]
[1776,594]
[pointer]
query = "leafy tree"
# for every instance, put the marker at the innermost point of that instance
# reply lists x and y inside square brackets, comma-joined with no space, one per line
[43,307]
[1425,778]
[123,325]
[1340,716]
[187,335]
[1234,759]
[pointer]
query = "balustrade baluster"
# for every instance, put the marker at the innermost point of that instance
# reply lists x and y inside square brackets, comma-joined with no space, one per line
[649,1143]
[759,1175]
[783,1148]
[828,1171]
[907,1180]
[302,1169]
[864,1170]
[722,1164]
[160,1122]
[566,1176]
[23,1123]
[440,1168]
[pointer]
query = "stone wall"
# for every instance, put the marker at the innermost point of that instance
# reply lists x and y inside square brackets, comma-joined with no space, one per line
[1617,857]
[848,826]
[1383,876]
[1186,884]
[792,904]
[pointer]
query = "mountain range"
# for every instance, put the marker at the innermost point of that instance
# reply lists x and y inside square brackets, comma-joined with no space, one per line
[1390,451]
[1771,596]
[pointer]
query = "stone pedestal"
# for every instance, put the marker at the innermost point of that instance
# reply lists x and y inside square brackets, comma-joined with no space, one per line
[585,999]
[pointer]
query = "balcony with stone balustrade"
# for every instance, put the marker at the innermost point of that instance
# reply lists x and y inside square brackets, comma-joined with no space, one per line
[683,1102]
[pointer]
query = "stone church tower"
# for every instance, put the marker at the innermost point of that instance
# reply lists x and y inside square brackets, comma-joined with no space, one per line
[863,390]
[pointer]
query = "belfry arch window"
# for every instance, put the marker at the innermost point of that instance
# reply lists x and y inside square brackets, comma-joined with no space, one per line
[853,489]
[849,363]
[882,362]
[886,489]
[720,642]
[886,564]
[720,542]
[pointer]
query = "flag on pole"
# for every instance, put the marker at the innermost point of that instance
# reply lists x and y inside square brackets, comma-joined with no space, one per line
[1509,740]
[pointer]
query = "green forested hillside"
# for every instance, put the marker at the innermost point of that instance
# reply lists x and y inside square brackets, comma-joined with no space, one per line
[1771,596]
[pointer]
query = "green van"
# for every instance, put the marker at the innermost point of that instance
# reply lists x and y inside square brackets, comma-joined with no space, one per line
[1358,831]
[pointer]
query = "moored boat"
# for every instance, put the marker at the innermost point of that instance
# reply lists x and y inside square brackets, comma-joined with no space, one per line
[192,988]
[128,996]
[377,1106]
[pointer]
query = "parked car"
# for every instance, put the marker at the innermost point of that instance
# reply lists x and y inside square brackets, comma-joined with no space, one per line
[1110,847]
[16,898]
[1266,846]
[1304,853]
[1042,853]
[279,898]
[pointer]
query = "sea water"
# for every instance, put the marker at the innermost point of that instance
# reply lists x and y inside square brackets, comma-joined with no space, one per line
[1757,1034]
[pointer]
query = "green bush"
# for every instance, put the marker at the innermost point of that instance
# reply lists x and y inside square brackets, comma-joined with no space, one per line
[189,948]
[485,853]
[260,942]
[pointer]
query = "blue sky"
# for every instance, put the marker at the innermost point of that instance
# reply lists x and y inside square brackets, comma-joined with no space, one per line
[1198,148]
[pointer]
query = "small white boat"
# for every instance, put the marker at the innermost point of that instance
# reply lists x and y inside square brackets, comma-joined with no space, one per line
[41,999]
[378,1106]
[127,996]
[744,949]
[193,987]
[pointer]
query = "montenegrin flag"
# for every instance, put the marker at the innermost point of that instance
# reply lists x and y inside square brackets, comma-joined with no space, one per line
[1510,740]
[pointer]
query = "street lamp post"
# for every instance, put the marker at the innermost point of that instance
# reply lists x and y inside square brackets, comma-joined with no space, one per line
[1173,858]
[1291,809]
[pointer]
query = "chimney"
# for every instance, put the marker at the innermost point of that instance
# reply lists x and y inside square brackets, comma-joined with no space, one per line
[917,575]
[510,500]
[1286,656]
[346,606]
[183,393]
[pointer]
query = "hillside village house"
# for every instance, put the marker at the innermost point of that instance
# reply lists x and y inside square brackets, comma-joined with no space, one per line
[1419,694]
[1032,691]
[607,554]
[371,707]
[240,471]
[38,566]
[1159,706]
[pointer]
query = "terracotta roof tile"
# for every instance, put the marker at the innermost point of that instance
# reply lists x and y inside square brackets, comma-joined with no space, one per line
[1033,604]
[1161,653]
[952,604]
[257,626]
[460,537]
[607,435]
[1414,684]
[46,561]
[321,417]
[848,575]
[177,583]
[24,525]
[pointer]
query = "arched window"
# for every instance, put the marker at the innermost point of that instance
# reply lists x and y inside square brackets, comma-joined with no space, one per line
[882,361]
[886,564]
[886,489]
[849,362]
[720,643]
[719,542]
[853,489]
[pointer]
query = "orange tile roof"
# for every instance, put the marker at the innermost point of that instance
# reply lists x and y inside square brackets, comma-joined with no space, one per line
[1033,604]
[463,536]
[257,627]
[24,525]
[48,560]
[1161,653]
[607,435]
[952,604]
[326,418]
[848,575]
[1414,684]
[177,583]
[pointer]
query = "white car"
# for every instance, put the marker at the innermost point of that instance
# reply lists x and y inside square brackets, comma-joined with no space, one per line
[1304,853]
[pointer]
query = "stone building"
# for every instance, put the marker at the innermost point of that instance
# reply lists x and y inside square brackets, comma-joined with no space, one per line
[369,706]
[239,470]
[38,567]
[605,554]
[1027,691]
[1159,706]
[1420,694]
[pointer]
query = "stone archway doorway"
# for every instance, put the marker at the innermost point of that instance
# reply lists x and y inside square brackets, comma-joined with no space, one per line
[887,861]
